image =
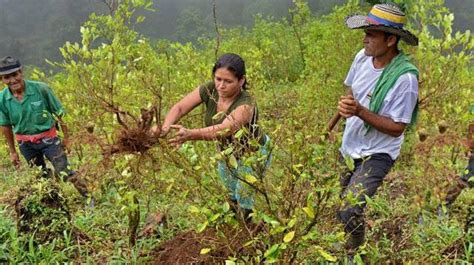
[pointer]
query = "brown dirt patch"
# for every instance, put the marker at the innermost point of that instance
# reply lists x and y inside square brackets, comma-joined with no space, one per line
[396,186]
[394,229]
[8,197]
[185,248]
[454,251]
[447,139]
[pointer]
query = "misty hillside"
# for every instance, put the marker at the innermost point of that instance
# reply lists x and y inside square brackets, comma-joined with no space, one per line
[33,30]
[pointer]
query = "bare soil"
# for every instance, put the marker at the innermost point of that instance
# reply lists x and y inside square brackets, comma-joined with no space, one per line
[185,248]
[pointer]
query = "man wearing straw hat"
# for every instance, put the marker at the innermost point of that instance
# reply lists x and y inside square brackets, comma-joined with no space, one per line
[382,102]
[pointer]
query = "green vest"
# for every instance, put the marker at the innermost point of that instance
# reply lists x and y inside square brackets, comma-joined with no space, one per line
[32,115]
[210,97]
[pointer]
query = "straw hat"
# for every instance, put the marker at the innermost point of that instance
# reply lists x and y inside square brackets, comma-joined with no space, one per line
[384,17]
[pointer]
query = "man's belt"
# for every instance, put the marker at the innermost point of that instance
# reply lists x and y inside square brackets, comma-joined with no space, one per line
[36,138]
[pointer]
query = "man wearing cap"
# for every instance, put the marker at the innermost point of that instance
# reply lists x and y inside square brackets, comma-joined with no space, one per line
[28,113]
[382,102]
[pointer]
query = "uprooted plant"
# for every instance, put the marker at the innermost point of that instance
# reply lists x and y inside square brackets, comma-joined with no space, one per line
[112,71]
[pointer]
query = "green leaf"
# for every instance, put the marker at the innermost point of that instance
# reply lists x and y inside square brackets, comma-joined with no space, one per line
[309,212]
[269,220]
[272,252]
[193,209]
[140,19]
[204,251]
[325,254]
[225,207]
[249,243]
[297,167]
[202,227]
[289,236]
[233,161]
[277,230]
[214,217]
[292,222]
[239,133]
[349,162]
[228,151]
[218,116]
[250,178]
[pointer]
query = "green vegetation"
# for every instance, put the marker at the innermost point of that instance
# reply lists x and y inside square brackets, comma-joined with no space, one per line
[46,25]
[295,68]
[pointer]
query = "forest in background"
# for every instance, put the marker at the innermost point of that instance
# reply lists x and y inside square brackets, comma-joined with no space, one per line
[166,205]
[34,30]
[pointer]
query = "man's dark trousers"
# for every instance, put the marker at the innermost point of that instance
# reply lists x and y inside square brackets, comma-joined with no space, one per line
[363,180]
[53,149]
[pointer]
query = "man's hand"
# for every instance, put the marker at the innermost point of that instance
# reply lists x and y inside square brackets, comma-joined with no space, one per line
[8,133]
[348,106]
[181,136]
[15,160]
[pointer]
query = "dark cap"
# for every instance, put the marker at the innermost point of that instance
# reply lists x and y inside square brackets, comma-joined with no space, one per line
[9,65]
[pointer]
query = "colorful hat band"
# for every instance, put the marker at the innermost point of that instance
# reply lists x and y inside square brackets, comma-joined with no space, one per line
[384,17]
[378,16]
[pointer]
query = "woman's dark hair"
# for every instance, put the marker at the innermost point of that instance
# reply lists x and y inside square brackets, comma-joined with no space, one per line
[232,62]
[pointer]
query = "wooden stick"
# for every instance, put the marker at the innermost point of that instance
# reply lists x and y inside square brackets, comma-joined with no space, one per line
[334,120]
[337,117]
